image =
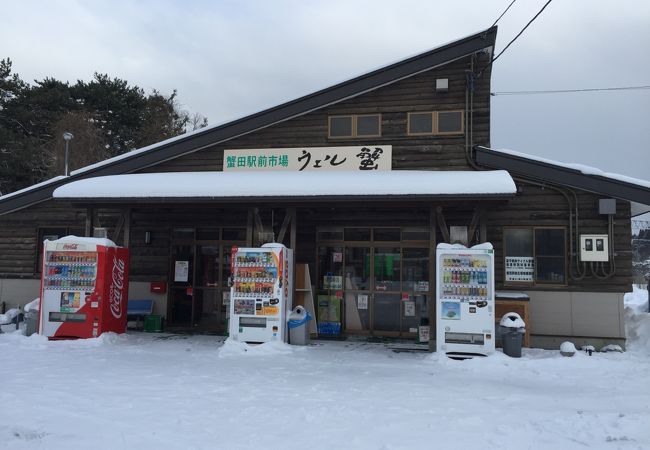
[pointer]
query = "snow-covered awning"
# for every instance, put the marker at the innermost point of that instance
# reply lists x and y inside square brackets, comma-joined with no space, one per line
[291,185]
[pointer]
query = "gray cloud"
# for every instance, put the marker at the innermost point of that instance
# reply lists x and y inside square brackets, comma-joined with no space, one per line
[229,58]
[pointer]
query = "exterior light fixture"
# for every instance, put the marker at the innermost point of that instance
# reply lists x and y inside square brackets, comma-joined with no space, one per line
[67,137]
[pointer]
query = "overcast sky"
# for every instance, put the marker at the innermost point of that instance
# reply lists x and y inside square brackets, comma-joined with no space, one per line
[231,58]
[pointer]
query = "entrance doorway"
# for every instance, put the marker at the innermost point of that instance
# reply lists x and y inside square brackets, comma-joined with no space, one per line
[200,267]
[374,281]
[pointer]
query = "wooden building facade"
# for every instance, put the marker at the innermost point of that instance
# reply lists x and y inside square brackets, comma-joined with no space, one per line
[373,252]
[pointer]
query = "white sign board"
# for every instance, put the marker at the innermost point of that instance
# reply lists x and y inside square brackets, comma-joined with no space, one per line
[181,271]
[361,158]
[520,268]
[362,301]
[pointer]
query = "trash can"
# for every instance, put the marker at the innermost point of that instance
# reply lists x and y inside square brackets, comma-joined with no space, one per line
[512,329]
[153,323]
[298,329]
[31,322]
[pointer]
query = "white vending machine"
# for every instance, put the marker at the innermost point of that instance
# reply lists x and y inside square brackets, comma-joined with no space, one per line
[261,293]
[465,300]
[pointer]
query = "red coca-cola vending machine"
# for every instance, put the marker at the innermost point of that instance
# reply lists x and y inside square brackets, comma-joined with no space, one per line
[84,288]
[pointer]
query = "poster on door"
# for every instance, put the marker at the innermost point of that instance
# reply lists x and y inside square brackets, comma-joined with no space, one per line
[181,271]
[362,301]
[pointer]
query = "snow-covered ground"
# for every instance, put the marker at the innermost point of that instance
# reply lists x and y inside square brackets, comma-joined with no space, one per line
[162,391]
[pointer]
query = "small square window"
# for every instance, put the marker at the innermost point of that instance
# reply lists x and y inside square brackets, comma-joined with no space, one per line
[368,125]
[341,126]
[450,122]
[354,126]
[420,123]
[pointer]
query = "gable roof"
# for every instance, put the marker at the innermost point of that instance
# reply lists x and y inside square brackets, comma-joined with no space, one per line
[572,175]
[191,142]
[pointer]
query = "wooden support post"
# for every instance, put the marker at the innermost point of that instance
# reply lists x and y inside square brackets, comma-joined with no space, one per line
[90,221]
[293,232]
[472,227]
[127,227]
[250,225]
[118,229]
[483,226]
[432,280]
[285,225]
[442,224]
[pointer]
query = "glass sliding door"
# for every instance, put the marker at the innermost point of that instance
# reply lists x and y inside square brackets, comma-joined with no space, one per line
[387,283]
[382,278]
[357,289]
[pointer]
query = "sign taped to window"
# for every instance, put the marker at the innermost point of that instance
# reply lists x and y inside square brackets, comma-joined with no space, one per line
[520,268]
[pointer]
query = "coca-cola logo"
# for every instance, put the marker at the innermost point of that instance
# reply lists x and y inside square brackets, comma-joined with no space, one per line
[70,246]
[117,287]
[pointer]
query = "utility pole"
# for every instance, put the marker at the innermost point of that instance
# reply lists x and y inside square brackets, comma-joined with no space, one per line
[67,137]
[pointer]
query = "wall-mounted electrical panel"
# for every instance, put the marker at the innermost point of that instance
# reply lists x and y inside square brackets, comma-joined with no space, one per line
[594,247]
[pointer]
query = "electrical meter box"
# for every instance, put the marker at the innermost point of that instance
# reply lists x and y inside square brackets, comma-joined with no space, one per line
[594,247]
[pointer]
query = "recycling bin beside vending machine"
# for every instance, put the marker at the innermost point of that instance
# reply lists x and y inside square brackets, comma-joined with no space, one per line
[465,300]
[84,288]
[261,293]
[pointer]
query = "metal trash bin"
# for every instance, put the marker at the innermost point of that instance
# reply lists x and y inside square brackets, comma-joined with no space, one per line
[298,329]
[31,322]
[512,329]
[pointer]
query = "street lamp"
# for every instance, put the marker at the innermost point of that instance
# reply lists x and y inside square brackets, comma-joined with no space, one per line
[67,136]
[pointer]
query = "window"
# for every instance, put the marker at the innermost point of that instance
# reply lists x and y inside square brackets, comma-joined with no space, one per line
[355,126]
[435,122]
[535,255]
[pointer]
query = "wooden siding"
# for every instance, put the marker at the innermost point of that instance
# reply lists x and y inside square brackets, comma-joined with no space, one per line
[539,207]
[393,102]
[19,235]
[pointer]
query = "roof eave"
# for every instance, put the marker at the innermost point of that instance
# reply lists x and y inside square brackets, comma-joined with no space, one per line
[289,199]
[550,173]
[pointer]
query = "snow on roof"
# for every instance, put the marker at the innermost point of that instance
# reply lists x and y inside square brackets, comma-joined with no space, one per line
[289,184]
[586,170]
[33,187]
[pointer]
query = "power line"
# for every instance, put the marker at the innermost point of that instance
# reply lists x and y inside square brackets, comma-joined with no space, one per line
[514,39]
[562,91]
[522,30]
[503,13]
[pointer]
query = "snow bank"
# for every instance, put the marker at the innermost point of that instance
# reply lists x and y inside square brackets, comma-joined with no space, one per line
[637,321]
[233,348]
[8,316]
[482,246]
[34,305]
[512,320]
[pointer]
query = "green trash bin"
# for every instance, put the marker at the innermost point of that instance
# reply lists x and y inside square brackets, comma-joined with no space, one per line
[153,323]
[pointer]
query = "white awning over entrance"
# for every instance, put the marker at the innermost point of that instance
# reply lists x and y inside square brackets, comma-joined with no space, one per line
[231,185]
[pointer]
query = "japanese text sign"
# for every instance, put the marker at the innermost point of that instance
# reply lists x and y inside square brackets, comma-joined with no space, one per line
[361,158]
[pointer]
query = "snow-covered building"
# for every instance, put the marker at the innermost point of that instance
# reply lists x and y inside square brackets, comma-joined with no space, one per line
[362,179]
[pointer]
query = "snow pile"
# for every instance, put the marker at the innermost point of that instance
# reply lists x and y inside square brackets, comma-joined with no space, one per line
[637,321]
[568,347]
[512,320]
[9,316]
[233,348]
[34,305]
[86,240]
